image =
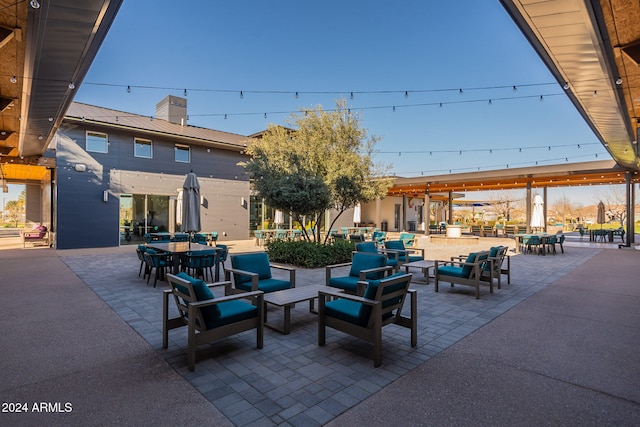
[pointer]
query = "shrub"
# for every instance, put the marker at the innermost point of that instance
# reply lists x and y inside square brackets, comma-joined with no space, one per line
[309,254]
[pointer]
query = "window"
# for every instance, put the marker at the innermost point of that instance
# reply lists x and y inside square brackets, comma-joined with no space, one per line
[143,148]
[97,142]
[183,154]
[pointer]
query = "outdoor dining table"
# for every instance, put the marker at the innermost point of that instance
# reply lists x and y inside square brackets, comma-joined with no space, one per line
[544,240]
[184,247]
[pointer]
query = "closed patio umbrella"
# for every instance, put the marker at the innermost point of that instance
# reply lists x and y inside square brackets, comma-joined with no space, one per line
[357,215]
[600,218]
[179,209]
[191,204]
[537,218]
[279,217]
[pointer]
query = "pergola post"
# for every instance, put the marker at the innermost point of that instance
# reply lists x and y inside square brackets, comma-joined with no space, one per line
[450,220]
[544,207]
[528,207]
[630,207]
[427,215]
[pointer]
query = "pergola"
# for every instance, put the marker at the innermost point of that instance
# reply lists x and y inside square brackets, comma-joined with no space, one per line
[452,186]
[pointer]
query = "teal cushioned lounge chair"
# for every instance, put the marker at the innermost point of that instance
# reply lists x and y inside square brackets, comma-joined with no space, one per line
[252,272]
[363,266]
[364,317]
[209,318]
[467,272]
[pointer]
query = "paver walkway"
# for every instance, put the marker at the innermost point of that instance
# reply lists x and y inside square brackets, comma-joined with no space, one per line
[292,380]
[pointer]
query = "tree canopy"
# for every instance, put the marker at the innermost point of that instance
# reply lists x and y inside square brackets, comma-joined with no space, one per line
[323,161]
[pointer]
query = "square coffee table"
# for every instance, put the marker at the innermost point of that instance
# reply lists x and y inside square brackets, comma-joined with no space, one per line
[287,298]
[424,265]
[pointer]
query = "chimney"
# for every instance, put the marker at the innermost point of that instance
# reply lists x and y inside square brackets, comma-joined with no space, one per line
[172,109]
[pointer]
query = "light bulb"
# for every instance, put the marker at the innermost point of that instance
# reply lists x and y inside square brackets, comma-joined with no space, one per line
[13,79]
[35,4]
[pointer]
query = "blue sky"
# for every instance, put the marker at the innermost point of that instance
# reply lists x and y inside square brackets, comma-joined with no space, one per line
[327,50]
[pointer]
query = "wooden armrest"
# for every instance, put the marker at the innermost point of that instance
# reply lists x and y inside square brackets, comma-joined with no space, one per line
[291,270]
[363,273]
[340,294]
[282,267]
[241,272]
[344,264]
[218,300]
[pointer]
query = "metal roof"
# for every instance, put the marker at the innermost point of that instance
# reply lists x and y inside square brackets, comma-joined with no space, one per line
[146,125]
[582,43]
[44,57]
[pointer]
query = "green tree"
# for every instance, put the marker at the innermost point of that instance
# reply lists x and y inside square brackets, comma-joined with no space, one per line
[324,162]
[14,209]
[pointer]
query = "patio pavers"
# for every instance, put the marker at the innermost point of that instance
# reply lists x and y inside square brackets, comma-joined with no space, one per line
[292,380]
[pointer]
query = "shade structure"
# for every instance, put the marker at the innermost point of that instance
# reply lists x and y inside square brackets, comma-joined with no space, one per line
[357,218]
[537,217]
[600,218]
[191,204]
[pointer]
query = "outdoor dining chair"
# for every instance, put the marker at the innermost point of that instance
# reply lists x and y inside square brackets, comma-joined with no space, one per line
[209,318]
[223,254]
[140,250]
[260,237]
[199,264]
[158,261]
[364,317]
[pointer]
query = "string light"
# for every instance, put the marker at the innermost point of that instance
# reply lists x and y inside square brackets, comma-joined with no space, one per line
[490,149]
[128,89]
[493,167]
[185,92]
[241,95]
[13,79]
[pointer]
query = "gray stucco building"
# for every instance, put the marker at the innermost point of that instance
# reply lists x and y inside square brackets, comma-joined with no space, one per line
[119,174]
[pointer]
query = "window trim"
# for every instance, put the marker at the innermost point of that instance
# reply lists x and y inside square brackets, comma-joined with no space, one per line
[145,141]
[96,134]
[178,147]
